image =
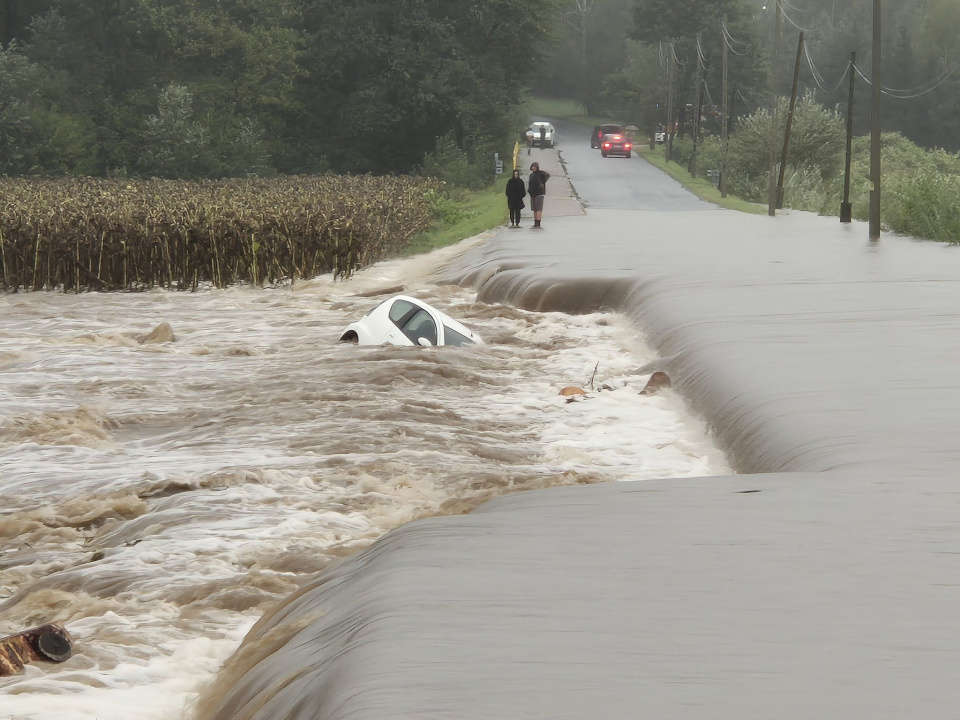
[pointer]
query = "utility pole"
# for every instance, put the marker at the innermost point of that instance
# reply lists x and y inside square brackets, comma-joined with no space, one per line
[786,134]
[725,120]
[875,128]
[772,185]
[846,209]
[692,168]
[668,151]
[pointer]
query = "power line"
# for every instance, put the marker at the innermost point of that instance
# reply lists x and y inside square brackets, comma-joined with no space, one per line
[790,20]
[794,7]
[700,55]
[729,35]
[913,93]
[673,48]
[728,39]
[818,78]
[706,90]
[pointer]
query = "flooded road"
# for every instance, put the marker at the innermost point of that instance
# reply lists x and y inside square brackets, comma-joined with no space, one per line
[821,582]
[157,498]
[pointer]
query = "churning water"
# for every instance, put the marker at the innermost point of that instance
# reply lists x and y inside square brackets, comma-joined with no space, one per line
[157,497]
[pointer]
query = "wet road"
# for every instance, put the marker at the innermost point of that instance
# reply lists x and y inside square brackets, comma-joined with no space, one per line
[822,582]
[619,183]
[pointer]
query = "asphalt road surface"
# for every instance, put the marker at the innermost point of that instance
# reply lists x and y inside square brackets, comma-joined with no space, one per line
[618,183]
[821,582]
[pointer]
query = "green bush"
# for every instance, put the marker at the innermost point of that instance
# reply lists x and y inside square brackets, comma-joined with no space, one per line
[682,150]
[445,209]
[450,163]
[919,188]
[816,148]
[925,206]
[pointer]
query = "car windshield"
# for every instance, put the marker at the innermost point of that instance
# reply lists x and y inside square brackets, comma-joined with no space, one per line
[611,129]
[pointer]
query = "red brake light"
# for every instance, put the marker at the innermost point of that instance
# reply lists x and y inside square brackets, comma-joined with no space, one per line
[606,145]
[626,146]
[617,137]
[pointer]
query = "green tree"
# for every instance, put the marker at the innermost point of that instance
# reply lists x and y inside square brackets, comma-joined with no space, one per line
[175,143]
[384,81]
[35,138]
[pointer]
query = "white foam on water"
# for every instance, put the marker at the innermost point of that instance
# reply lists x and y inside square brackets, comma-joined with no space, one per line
[158,498]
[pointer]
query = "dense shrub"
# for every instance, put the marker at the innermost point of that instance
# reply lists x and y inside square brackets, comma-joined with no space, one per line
[816,149]
[925,206]
[449,163]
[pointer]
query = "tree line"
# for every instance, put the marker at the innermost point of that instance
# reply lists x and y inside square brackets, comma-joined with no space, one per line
[613,56]
[219,88]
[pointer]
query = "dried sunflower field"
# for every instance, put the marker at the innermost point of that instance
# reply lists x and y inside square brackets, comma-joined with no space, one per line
[77,234]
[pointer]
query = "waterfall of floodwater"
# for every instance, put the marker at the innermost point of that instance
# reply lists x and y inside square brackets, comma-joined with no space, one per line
[159,497]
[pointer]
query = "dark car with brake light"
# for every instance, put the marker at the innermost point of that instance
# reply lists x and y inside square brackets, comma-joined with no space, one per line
[616,144]
[600,130]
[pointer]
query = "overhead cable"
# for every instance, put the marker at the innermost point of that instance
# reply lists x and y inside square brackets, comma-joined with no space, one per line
[707,92]
[729,35]
[818,78]
[729,40]
[910,94]
[794,7]
[790,20]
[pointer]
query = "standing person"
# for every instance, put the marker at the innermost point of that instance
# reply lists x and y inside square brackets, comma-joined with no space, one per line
[537,187]
[543,136]
[515,193]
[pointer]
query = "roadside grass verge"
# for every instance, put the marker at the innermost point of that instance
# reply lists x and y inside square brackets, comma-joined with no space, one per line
[700,187]
[458,219]
[563,109]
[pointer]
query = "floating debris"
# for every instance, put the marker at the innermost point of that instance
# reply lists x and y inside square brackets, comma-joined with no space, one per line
[657,382]
[46,643]
[162,333]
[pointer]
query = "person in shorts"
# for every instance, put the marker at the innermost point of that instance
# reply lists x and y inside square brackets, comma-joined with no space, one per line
[537,189]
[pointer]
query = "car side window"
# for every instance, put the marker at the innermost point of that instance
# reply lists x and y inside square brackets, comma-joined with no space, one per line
[421,325]
[400,310]
[452,337]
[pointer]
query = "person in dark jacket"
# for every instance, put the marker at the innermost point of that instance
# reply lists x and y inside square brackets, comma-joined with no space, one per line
[515,192]
[537,187]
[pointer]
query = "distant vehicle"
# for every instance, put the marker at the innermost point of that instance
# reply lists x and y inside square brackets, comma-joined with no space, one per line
[600,130]
[404,320]
[549,138]
[616,144]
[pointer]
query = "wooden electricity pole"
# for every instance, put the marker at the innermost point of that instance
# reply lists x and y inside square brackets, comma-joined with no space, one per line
[668,151]
[875,128]
[725,119]
[772,185]
[846,209]
[692,166]
[786,134]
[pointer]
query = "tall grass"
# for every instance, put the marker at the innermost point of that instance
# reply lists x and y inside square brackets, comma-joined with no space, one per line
[88,234]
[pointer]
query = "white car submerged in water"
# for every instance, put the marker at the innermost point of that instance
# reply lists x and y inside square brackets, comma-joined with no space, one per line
[404,320]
